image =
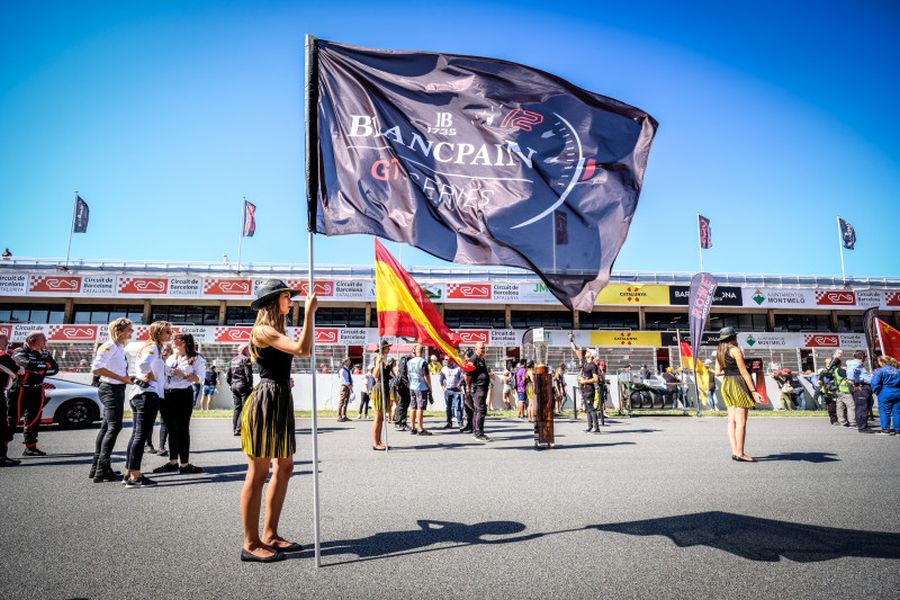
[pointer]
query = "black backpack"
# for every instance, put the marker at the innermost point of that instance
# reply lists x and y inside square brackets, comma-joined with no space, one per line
[401,380]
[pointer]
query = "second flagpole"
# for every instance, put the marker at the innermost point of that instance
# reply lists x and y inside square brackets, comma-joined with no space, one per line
[311,98]
[841,246]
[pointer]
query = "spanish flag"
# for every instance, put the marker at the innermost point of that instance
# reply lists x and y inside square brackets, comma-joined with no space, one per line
[687,362]
[405,310]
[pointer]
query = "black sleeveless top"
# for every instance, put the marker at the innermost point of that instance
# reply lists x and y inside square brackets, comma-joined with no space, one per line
[274,364]
[731,368]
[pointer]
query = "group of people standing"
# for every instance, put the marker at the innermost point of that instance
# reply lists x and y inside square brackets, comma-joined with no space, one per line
[162,384]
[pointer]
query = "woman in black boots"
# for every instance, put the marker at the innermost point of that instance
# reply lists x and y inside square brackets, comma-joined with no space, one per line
[111,366]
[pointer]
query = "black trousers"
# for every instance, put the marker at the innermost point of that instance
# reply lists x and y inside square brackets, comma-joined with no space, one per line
[861,397]
[593,415]
[402,393]
[240,396]
[144,408]
[364,399]
[831,406]
[113,398]
[176,409]
[475,413]
[6,427]
[26,403]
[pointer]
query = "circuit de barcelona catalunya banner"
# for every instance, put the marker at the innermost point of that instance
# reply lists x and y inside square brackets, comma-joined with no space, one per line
[477,161]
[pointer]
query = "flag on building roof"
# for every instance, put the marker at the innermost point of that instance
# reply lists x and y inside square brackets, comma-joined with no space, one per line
[405,310]
[475,160]
[889,339]
[249,227]
[705,232]
[848,234]
[82,215]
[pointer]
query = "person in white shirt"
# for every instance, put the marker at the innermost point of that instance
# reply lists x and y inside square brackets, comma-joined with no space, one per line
[111,366]
[185,367]
[150,383]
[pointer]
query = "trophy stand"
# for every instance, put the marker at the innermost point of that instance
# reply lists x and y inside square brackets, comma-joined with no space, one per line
[537,351]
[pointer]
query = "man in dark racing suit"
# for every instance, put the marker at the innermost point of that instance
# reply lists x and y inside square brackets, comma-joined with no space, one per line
[9,371]
[26,397]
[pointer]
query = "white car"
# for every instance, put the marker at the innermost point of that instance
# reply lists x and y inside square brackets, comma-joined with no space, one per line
[70,404]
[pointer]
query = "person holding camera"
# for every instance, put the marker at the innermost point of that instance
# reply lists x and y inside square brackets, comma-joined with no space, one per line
[587,379]
[27,393]
[111,366]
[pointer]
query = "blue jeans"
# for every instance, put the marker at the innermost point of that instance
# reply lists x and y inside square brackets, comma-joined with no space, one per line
[454,406]
[711,399]
[523,398]
[887,408]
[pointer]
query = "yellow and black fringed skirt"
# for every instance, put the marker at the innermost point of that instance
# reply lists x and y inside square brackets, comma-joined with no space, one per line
[267,421]
[735,392]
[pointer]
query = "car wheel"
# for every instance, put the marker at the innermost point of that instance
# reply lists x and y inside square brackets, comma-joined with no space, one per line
[76,413]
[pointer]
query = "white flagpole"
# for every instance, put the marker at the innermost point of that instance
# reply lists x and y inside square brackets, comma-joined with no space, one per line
[699,242]
[841,246]
[310,197]
[880,337]
[72,228]
[243,225]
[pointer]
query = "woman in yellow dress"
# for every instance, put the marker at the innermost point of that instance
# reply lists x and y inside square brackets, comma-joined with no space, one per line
[380,394]
[736,390]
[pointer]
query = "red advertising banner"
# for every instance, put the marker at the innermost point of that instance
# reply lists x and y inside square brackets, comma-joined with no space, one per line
[469,291]
[227,287]
[473,336]
[822,340]
[71,333]
[144,286]
[7,330]
[328,335]
[892,298]
[53,284]
[324,289]
[232,335]
[835,298]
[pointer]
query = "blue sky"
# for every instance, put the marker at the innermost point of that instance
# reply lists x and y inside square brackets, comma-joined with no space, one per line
[774,118]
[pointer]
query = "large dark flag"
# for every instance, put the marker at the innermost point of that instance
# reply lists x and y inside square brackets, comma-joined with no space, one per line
[82,216]
[705,232]
[848,234]
[703,291]
[249,227]
[477,161]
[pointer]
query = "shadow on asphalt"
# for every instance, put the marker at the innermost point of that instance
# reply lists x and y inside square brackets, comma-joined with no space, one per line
[564,446]
[417,541]
[764,540]
[812,457]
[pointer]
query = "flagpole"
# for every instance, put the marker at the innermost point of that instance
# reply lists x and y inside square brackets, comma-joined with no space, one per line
[311,191]
[880,337]
[241,239]
[71,229]
[841,246]
[699,242]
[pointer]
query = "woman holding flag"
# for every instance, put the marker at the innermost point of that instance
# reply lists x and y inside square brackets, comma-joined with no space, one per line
[267,419]
[736,386]
[380,394]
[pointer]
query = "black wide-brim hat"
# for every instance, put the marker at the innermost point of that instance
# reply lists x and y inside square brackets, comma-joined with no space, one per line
[726,333]
[269,290]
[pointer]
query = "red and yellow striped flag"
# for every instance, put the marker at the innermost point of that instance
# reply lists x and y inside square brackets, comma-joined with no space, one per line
[405,310]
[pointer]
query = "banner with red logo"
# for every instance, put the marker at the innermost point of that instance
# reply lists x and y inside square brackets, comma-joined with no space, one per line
[469,292]
[227,288]
[143,286]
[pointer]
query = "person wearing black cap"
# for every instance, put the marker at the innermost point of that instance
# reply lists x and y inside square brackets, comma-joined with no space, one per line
[382,368]
[736,390]
[267,419]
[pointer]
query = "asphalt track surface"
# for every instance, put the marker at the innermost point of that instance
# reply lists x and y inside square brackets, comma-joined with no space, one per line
[653,507]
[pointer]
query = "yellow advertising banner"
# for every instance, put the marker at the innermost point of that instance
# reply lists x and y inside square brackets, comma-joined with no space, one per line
[634,294]
[626,338]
